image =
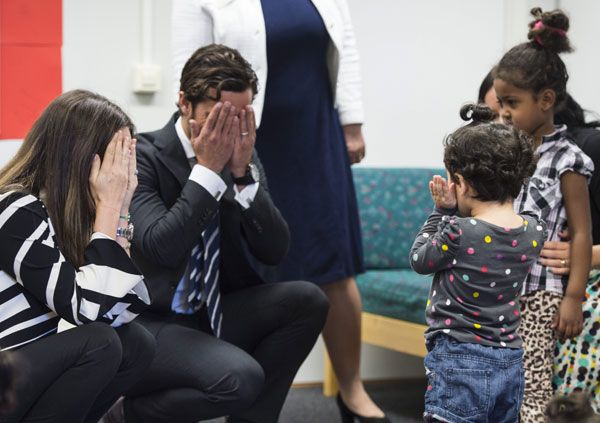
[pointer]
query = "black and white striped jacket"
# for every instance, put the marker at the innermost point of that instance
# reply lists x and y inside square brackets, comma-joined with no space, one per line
[38,286]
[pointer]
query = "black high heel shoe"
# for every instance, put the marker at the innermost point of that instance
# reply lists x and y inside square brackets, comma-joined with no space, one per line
[349,416]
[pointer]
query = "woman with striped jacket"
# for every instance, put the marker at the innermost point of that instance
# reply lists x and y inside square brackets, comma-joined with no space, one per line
[64,253]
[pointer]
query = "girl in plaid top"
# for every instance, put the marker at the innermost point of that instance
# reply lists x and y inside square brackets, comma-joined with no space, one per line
[530,81]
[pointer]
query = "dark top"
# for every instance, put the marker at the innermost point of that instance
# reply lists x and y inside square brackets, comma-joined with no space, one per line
[302,147]
[170,211]
[479,272]
[588,139]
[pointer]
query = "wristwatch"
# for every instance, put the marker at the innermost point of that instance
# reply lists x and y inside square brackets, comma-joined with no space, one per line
[126,232]
[252,175]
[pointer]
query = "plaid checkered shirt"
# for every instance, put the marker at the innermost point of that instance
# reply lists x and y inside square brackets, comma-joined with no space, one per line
[542,195]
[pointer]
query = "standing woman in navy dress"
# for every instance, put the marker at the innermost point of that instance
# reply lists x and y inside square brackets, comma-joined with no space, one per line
[310,112]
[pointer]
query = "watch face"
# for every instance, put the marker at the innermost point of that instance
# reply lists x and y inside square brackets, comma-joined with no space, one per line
[254,172]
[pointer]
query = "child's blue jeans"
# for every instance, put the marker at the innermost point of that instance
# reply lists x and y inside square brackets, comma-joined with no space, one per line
[472,383]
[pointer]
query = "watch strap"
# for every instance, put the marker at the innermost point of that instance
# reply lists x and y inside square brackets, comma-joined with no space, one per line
[247,179]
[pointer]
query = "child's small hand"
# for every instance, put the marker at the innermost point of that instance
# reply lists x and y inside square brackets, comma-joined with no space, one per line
[568,321]
[442,192]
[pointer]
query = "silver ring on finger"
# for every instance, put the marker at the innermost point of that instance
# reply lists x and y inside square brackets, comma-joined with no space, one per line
[563,263]
[135,172]
[243,134]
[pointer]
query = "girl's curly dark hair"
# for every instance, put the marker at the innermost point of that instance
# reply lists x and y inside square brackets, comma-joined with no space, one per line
[536,65]
[493,158]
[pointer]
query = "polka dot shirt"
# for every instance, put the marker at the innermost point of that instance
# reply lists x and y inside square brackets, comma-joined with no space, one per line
[479,269]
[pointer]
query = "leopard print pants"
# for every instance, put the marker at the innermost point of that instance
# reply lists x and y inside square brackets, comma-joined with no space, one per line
[577,361]
[537,312]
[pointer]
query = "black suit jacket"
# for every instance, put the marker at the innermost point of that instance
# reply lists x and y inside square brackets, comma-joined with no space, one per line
[170,212]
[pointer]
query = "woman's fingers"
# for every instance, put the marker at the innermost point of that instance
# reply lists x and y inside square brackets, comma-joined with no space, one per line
[132,158]
[109,154]
[95,168]
[558,246]
[558,263]
[555,254]
[127,152]
[118,152]
[127,147]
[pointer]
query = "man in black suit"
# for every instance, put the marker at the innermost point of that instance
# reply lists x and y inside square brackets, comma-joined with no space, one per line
[206,229]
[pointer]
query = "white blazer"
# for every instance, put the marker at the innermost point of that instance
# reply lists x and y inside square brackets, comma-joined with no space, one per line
[240,24]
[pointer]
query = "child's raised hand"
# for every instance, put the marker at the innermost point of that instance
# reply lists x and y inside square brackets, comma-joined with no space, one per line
[568,322]
[442,192]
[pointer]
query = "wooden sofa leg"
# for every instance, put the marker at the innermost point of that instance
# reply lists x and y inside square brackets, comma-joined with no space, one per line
[330,385]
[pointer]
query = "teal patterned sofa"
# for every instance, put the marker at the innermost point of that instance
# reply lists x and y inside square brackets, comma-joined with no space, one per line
[393,204]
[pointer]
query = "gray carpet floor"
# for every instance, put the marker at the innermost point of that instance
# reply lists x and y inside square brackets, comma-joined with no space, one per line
[401,401]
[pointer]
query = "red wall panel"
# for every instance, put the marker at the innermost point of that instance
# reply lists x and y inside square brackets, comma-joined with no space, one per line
[30,61]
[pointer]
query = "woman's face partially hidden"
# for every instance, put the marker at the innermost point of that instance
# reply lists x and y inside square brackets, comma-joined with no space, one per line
[491,101]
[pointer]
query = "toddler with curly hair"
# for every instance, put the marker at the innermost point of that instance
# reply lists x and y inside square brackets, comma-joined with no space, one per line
[480,252]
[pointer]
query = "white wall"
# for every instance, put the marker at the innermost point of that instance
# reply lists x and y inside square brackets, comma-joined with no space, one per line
[584,63]
[7,149]
[102,43]
[420,61]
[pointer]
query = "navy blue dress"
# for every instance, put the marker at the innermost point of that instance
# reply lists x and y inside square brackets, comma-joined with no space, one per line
[301,145]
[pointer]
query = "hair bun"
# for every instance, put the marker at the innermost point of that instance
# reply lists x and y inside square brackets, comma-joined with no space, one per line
[549,30]
[477,113]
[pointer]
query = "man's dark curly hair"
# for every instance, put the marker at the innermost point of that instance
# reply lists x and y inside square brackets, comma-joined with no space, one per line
[493,158]
[219,67]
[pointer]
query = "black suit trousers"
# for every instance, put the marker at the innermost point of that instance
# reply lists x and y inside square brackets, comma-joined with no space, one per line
[267,332]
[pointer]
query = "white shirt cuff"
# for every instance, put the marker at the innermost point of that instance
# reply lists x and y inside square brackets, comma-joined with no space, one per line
[246,196]
[208,180]
[100,235]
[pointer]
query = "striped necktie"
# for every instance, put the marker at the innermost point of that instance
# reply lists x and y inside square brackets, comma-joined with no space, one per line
[204,275]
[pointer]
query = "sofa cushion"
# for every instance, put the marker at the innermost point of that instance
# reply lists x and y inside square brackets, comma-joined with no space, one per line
[393,204]
[400,294]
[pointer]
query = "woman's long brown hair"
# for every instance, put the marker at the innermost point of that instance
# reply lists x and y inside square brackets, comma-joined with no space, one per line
[56,159]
